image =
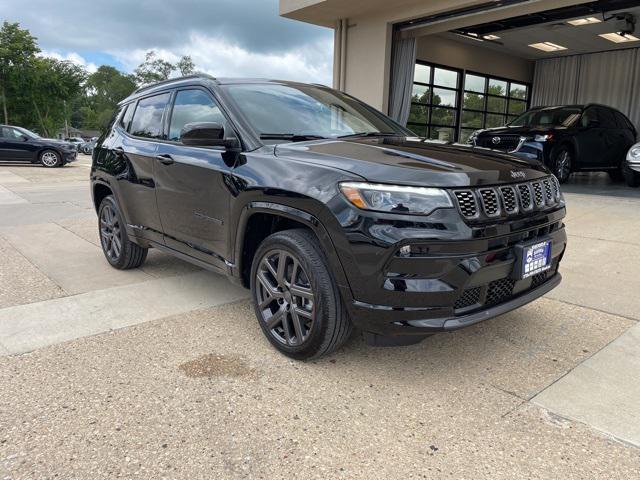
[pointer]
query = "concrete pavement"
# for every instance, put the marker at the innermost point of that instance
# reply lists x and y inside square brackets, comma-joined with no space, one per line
[154,374]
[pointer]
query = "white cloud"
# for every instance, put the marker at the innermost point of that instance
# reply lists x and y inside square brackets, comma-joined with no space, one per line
[72,57]
[220,58]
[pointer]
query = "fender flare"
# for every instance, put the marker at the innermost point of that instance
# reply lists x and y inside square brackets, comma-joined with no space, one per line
[301,216]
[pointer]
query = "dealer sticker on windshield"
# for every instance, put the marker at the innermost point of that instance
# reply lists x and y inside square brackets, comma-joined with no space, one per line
[536,258]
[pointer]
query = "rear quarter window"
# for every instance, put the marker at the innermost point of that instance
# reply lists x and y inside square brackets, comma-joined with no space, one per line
[147,119]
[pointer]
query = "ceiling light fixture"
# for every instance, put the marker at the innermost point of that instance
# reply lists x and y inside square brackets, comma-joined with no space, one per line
[619,37]
[491,37]
[548,47]
[584,21]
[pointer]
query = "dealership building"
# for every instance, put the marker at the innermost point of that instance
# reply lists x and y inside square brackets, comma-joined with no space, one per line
[449,67]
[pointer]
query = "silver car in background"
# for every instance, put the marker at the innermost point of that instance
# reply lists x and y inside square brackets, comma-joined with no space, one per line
[631,167]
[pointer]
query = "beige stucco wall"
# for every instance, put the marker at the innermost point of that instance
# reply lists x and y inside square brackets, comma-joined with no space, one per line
[367,66]
[461,55]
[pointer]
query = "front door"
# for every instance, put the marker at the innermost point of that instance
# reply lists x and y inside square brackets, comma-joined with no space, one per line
[14,145]
[193,199]
[591,138]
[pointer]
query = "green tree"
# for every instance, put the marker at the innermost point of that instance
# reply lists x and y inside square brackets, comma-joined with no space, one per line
[104,89]
[49,88]
[155,69]
[18,50]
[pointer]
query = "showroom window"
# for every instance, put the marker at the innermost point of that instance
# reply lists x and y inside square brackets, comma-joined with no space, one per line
[449,104]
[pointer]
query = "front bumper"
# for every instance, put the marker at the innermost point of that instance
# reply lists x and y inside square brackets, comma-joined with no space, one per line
[419,287]
[69,156]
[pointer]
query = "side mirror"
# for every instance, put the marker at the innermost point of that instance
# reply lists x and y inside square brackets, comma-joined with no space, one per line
[206,134]
[25,138]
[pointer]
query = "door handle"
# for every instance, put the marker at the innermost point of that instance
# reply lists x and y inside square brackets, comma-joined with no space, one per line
[165,159]
[118,151]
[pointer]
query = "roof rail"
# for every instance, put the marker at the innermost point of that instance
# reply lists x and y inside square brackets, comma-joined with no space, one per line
[170,80]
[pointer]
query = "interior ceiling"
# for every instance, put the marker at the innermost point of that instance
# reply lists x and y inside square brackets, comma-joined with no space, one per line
[550,27]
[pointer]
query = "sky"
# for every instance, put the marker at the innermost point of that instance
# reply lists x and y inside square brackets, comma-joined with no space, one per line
[225,38]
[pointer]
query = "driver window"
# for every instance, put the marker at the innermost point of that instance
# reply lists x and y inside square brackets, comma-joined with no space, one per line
[193,106]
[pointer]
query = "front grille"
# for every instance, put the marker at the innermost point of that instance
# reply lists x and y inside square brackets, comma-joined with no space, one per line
[509,199]
[504,143]
[499,291]
[469,297]
[489,202]
[467,203]
[538,195]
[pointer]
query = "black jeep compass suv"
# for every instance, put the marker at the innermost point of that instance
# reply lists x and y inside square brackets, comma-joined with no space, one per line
[331,213]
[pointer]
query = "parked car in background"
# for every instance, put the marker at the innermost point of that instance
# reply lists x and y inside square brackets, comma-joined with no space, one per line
[87,147]
[330,212]
[631,168]
[77,141]
[567,139]
[22,145]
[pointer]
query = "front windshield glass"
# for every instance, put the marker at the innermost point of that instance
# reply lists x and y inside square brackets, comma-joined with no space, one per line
[547,117]
[27,133]
[307,111]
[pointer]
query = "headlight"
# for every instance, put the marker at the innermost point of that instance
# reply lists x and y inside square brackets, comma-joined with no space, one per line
[543,138]
[473,136]
[634,154]
[394,198]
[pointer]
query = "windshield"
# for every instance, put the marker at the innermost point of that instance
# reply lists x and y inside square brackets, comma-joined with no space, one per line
[547,117]
[27,133]
[304,111]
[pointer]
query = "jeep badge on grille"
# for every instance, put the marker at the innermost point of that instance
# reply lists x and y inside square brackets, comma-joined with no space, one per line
[517,174]
[495,140]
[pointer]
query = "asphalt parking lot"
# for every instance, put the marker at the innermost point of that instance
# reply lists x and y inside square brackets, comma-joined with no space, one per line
[164,372]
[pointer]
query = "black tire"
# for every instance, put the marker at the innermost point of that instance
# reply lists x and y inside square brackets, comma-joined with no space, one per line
[325,325]
[120,252]
[631,178]
[562,163]
[50,159]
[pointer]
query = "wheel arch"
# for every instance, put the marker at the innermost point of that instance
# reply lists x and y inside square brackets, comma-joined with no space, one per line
[258,220]
[99,191]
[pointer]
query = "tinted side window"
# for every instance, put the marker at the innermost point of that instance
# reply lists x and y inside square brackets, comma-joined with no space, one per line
[125,118]
[10,133]
[607,120]
[147,119]
[193,106]
[622,121]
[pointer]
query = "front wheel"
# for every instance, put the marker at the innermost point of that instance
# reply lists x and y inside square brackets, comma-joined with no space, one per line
[50,159]
[631,177]
[562,164]
[296,298]
[119,251]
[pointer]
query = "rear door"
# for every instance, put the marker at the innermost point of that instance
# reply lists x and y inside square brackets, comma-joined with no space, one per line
[136,149]
[591,139]
[613,138]
[193,198]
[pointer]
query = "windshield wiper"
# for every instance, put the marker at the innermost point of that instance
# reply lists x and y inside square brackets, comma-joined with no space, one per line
[294,137]
[370,134]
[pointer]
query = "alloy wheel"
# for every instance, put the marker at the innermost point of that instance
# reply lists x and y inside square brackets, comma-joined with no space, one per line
[285,297]
[49,159]
[564,165]
[110,233]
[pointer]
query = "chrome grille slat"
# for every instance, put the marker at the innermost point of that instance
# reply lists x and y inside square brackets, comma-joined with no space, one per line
[506,200]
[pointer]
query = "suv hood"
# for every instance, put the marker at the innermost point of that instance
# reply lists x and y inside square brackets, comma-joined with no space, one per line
[524,131]
[410,161]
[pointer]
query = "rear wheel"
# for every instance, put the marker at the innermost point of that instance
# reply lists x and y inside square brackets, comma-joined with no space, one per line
[296,298]
[631,177]
[119,251]
[562,163]
[50,159]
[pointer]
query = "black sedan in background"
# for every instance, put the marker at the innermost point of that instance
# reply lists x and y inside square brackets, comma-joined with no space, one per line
[567,139]
[18,144]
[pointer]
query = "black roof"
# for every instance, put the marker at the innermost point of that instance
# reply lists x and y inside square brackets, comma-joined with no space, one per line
[203,79]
